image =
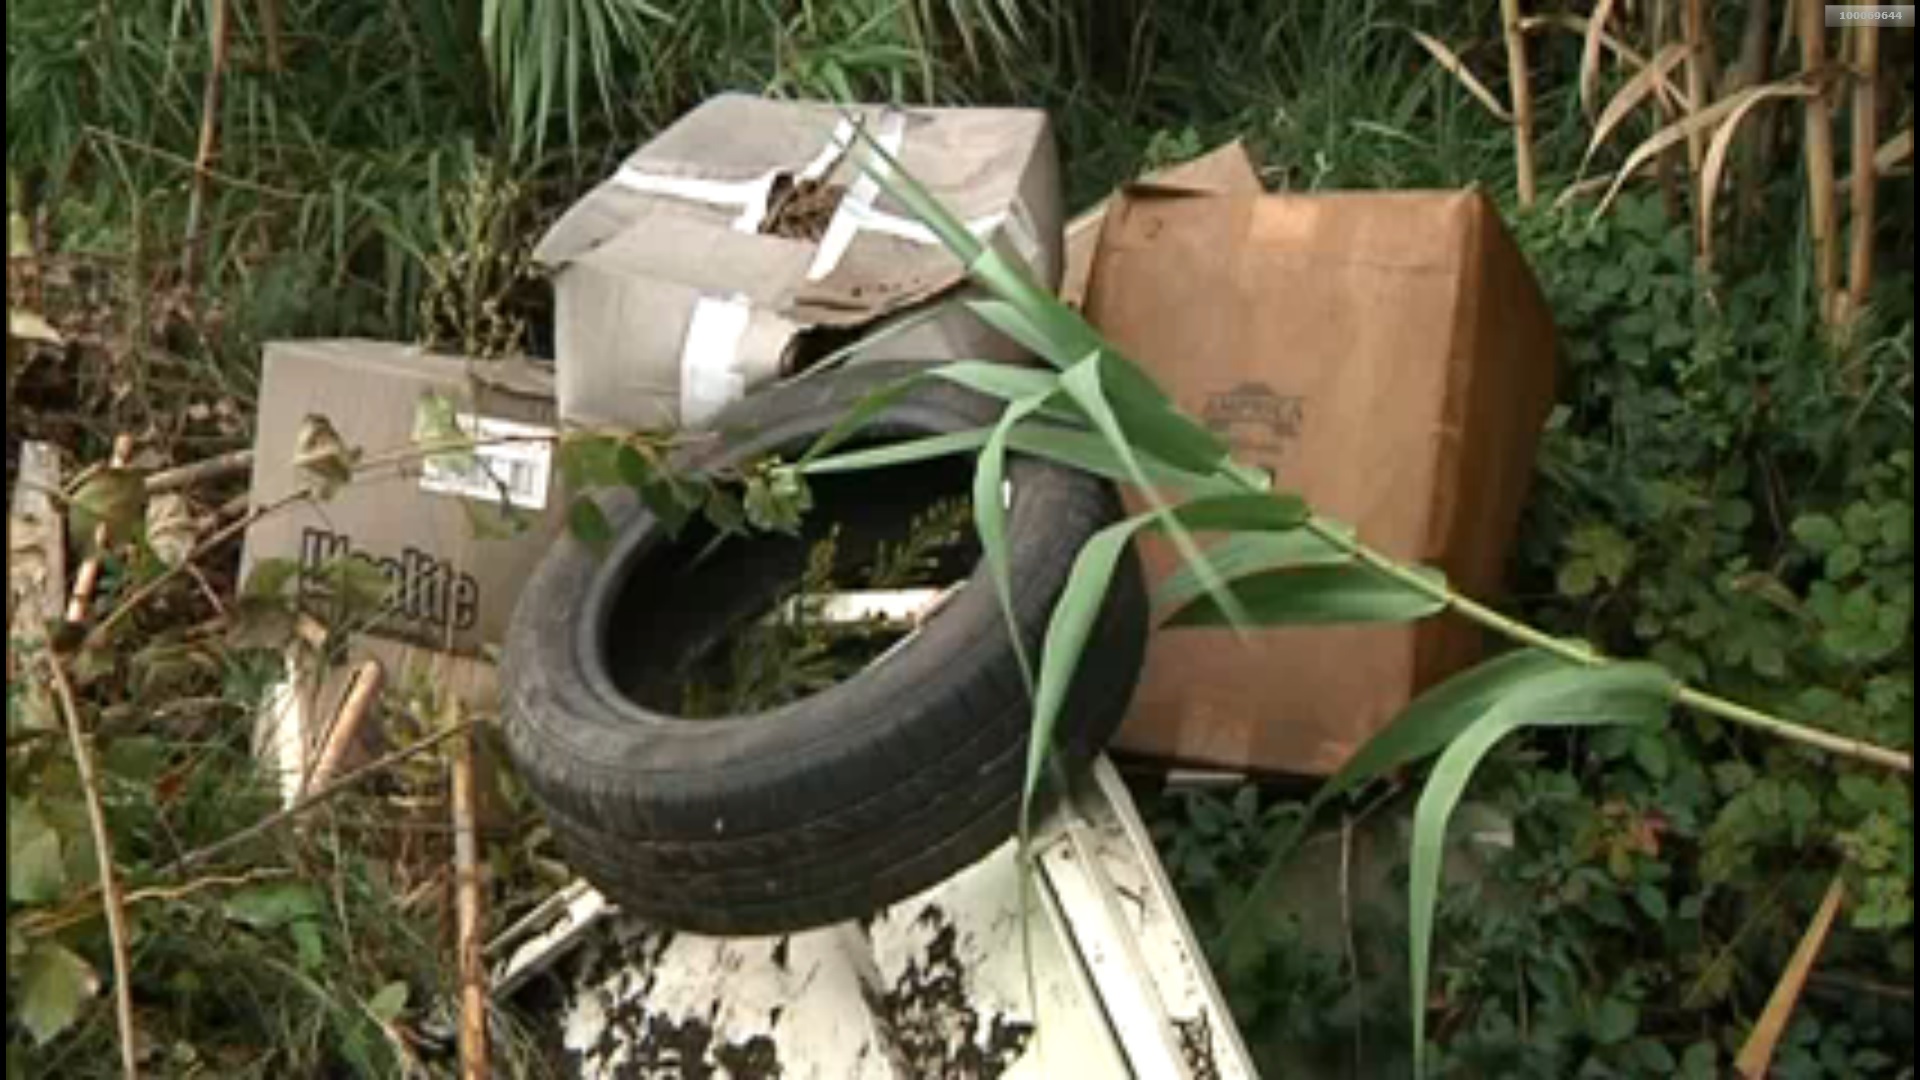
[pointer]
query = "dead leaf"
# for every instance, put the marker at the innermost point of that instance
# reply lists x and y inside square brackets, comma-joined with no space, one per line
[1451,61]
[31,326]
[172,530]
[322,456]
[110,497]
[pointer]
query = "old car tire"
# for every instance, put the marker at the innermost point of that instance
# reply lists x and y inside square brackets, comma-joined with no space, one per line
[836,804]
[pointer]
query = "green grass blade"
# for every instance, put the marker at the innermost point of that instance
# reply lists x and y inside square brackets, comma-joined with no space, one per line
[1083,382]
[1425,727]
[1003,381]
[1251,553]
[1079,604]
[900,453]
[1315,596]
[1576,697]
[897,182]
[990,516]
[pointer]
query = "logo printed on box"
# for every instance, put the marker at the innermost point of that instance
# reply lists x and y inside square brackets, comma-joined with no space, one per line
[426,590]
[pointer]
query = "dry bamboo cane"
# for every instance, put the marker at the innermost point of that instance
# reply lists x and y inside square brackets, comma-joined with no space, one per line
[1819,156]
[1522,98]
[1866,136]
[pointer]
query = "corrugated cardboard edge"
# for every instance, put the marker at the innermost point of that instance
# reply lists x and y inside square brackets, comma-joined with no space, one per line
[1492,268]
[1225,170]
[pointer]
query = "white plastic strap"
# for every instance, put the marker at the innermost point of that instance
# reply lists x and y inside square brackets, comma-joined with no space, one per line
[857,203]
[710,378]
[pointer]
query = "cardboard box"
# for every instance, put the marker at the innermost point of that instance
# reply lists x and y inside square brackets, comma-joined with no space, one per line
[1224,170]
[692,275]
[1390,357]
[438,532]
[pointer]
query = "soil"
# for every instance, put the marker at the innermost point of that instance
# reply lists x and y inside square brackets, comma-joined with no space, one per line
[800,210]
[933,1025]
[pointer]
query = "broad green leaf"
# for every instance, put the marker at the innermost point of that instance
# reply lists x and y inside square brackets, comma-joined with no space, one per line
[589,460]
[1320,595]
[357,584]
[389,1002]
[1425,727]
[634,469]
[436,426]
[588,523]
[1249,553]
[112,497]
[1083,382]
[54,983]
[269,578]
[36,872]
[990,515]
[1622,693]
[265,907]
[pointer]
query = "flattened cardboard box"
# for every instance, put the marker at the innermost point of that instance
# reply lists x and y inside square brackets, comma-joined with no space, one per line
[1389,356]
[691,275]
[436,528]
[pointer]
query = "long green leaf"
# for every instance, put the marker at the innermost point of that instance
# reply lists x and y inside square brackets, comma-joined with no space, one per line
[1577,697]
[990,515]
[1074,447]
[1433,720]
[1079,604]
[895,181]
[1316,596]
[1005,381]
[1250,553]
[1083,382]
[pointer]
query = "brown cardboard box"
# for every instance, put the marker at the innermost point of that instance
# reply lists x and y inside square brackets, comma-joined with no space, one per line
[422,522]
[1389,356]
[1224,170]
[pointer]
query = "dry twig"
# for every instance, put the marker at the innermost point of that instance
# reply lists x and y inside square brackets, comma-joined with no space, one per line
[217,467]
[110,899]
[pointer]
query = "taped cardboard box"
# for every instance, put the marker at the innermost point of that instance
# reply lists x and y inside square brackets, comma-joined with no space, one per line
[745,239]
[1390,357]
[455,537]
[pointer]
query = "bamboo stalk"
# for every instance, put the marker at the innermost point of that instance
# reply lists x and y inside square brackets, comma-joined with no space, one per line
[1699,60]
[362,692]
[1819,157]
[220,33]
[468,912]
[110,900]
[1866,138]
[87,578]
[1521,93]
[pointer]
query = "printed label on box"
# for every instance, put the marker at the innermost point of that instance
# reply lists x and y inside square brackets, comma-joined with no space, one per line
[509,458]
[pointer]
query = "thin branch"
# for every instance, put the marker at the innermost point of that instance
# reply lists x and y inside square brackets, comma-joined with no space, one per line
[308,802]
[80,909]
[226,533]
[110,900]
[217,467]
